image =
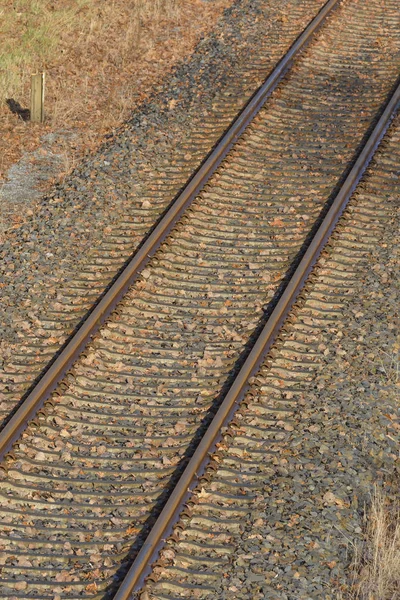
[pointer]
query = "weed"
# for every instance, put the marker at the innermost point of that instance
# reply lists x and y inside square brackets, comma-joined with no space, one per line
[376,564]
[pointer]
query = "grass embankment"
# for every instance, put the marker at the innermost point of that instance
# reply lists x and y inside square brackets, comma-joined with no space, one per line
[100,58]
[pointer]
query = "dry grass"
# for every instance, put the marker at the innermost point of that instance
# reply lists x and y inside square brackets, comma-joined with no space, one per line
[34,33]
[377,564]
[100,57]
[390,365]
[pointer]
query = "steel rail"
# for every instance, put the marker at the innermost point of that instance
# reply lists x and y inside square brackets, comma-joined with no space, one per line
[195,467]
[48,382]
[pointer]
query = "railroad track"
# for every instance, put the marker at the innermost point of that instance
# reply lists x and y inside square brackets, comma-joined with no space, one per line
[91,473]
[261,451]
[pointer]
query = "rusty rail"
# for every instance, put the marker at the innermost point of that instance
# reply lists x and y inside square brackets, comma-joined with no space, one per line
[48,382]
[197,463]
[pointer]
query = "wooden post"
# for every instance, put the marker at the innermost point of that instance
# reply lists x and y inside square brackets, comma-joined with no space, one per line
[37,98]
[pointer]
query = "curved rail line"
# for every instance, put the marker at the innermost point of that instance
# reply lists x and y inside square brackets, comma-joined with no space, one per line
[197,463]
[103,308]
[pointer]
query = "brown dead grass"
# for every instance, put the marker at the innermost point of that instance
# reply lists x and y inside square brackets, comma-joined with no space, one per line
[100,58]
[377,564]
